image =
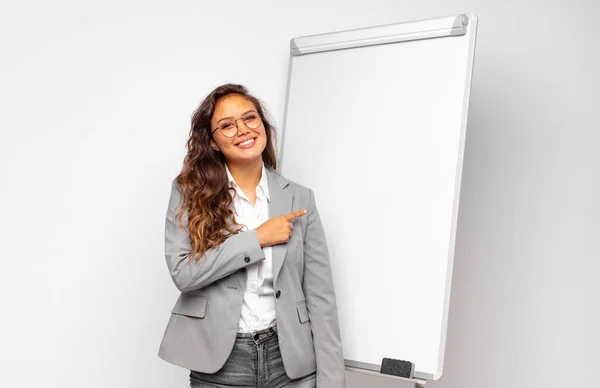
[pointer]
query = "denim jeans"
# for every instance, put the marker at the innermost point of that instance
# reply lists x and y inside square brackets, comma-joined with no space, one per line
[255,361]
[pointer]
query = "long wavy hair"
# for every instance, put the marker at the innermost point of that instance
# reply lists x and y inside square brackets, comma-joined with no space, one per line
[203,179]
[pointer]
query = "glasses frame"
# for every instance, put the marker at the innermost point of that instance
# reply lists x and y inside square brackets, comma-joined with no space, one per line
[237,126]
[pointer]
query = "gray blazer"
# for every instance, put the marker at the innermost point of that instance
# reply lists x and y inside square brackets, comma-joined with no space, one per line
[203,324]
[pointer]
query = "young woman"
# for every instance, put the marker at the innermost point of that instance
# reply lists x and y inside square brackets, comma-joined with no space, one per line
[246,248]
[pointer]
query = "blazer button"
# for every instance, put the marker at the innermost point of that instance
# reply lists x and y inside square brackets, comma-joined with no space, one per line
[247,259]
[277,293]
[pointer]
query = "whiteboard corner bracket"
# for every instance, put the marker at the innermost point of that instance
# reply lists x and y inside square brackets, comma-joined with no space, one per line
[294,50]
[459,27]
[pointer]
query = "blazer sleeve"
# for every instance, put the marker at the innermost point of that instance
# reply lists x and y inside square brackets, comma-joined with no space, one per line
[237,251]
[321,303]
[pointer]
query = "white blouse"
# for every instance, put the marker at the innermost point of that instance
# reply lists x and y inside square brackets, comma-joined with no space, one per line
[258,308]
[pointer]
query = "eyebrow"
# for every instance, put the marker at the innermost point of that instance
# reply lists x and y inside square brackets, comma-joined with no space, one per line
[230,117]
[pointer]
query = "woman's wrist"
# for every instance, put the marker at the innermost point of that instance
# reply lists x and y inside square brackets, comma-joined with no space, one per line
[260,237]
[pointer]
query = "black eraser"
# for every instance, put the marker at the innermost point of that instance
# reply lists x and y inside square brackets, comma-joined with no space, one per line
[401,368]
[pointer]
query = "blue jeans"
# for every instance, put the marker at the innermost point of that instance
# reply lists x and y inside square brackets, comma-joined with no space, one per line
[255,361]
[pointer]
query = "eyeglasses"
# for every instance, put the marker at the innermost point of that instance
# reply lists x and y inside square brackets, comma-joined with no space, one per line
[229,128]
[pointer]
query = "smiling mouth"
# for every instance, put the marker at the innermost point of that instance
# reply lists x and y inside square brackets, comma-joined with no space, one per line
[246,142]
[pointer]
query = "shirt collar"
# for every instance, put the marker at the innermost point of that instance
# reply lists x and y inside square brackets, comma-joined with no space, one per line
[263,184]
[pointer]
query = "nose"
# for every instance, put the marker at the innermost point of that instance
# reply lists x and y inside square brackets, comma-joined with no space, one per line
[242,129]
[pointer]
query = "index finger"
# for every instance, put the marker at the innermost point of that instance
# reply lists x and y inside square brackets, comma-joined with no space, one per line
[292,215]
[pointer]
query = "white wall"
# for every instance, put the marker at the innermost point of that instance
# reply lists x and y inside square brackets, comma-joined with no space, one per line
[95,104]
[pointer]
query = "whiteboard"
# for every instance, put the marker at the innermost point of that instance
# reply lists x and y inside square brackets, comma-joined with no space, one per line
[375,121]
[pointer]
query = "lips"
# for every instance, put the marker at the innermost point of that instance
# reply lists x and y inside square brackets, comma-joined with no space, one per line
[246,143]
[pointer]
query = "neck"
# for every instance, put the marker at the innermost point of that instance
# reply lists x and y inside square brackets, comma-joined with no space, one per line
[246,175]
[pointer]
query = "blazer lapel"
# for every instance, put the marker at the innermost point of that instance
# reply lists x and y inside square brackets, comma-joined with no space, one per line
[281,203]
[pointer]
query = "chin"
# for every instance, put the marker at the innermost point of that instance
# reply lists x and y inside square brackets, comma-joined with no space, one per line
[246,157]
[255,152]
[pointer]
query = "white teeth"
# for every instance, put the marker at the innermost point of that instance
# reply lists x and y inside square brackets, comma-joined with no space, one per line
[246,142]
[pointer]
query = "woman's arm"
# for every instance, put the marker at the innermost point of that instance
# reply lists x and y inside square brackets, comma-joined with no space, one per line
[321,303]
[238,251]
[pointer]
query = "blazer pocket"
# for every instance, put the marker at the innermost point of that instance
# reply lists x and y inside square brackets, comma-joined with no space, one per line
[302,312]
[191,306]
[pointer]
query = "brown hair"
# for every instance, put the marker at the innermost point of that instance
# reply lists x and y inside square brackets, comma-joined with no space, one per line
[203,179]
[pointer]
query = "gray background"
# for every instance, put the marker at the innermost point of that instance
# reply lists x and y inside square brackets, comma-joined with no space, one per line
[95,101]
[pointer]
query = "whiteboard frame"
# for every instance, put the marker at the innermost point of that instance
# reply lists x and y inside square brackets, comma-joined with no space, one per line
[443,27]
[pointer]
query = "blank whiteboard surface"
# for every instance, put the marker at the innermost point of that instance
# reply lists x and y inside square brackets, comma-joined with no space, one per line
[375,122]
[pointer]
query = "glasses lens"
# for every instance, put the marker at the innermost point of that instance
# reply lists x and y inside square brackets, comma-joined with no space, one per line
[252,120]
[228,129]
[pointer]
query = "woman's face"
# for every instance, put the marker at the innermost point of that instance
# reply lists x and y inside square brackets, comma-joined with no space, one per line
[233,107]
